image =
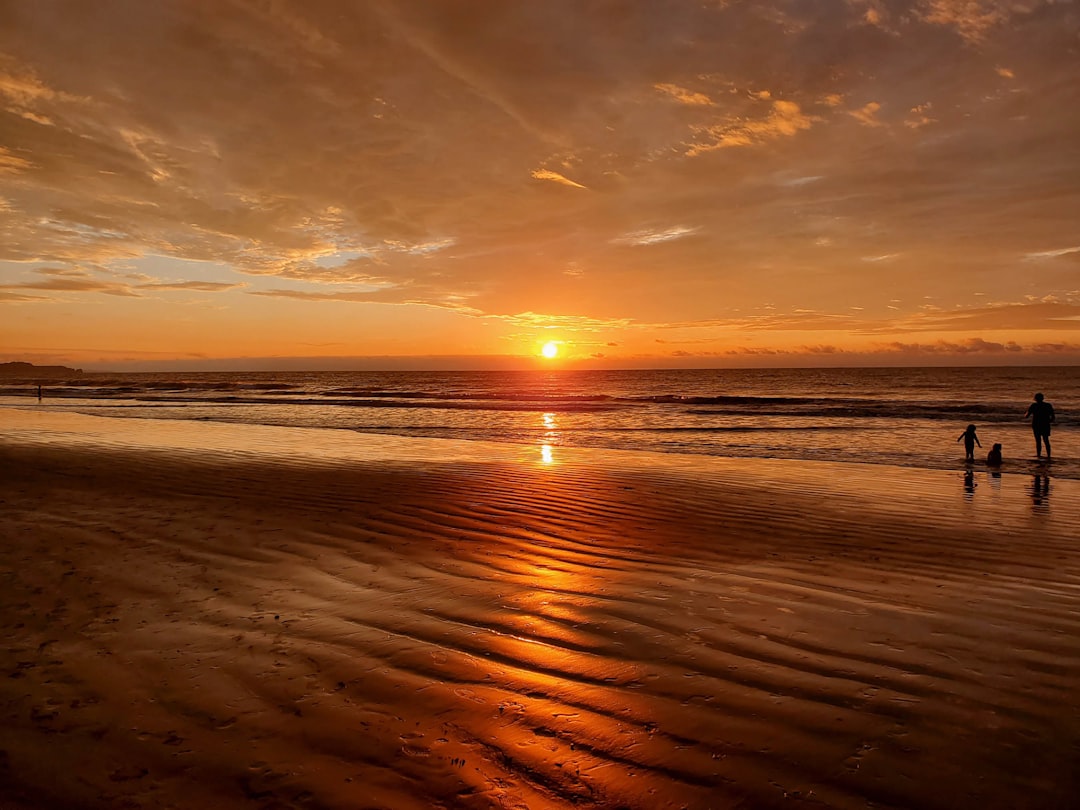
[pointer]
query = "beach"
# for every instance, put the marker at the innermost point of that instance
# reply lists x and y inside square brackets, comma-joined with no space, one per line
[210,615]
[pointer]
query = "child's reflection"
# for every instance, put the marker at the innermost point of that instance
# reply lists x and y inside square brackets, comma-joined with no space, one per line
[969,483]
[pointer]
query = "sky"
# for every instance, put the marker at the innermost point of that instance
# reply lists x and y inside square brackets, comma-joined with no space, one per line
[454,183]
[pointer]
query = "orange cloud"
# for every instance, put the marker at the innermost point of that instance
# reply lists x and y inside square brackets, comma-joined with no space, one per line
[867,115]
[785,119]
[555,177]
[62,284]
[10,163]
[972,19]
[200,286]
[684,96]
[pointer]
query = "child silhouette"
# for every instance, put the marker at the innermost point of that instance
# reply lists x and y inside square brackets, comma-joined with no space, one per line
[970,440]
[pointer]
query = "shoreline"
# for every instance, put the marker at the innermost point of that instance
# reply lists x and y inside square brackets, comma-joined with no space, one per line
[334,442]
[231,615]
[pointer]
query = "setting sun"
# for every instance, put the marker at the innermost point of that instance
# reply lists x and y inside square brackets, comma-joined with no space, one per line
[550,349]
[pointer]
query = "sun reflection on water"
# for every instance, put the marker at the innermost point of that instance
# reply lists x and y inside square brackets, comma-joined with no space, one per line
[549,438]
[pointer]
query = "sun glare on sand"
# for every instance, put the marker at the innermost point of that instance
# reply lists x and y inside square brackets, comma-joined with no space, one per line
[550,349]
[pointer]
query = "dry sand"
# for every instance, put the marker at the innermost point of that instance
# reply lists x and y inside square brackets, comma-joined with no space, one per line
[215,616]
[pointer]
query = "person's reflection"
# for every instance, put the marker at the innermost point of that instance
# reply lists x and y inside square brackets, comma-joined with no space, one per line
[1040,491]
[969,483]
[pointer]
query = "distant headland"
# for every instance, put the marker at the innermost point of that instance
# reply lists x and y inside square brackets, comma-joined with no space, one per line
[30,371]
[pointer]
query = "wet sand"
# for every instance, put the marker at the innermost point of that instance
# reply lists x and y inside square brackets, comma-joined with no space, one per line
[201,615]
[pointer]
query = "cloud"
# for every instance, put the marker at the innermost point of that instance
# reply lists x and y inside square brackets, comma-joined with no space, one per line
[79,280]
[968,346]
[964,348]
[201,286]
[805,320]
[383,296]
[576,323]
[18,298]
[794,182]
[10,163]
[555,177]
[785,119]
[872,12]
[685,342]
[652,237]
[24,95]
[919,116]
[1039,315]
[76,272]
[65,284]
[764,351]
[684,96]
[1051,254]
[971,19]
[867,115]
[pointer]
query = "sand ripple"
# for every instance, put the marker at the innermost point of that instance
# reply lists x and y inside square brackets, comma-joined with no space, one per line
[190,626]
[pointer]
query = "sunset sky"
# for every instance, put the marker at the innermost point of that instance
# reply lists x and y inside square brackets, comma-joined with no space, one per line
[455,183]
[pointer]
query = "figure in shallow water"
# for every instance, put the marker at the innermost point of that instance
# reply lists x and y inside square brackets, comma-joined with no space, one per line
[970,440]
[1042,416]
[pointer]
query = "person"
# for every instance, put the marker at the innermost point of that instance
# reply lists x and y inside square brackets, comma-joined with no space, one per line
[1042,416]
[970,440]
[993,458]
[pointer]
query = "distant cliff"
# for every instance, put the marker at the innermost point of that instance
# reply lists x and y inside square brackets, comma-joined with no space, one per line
[28,371]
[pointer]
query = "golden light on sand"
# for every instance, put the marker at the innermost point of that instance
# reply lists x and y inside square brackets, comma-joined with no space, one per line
[550,349]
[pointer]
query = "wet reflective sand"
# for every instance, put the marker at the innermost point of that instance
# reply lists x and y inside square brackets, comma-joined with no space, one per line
[238,616]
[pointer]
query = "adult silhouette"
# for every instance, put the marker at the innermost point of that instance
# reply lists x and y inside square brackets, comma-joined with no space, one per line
[1042,416]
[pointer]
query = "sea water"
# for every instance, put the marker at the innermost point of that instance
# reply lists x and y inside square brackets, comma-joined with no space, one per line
[907,416]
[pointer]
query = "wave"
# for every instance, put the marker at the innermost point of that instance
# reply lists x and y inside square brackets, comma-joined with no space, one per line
[721,406]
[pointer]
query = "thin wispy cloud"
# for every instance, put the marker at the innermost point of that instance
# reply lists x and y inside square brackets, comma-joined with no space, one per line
[1051,254]
[555,177]
[201,286]
[11,163]
[61,284]
[572,322]
[653,237]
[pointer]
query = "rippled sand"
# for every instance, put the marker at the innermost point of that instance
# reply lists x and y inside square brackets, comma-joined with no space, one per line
[202,616]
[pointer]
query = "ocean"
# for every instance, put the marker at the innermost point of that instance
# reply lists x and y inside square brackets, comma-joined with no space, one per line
[909,417]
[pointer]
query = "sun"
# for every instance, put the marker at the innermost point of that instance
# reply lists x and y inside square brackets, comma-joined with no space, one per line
[550,349]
